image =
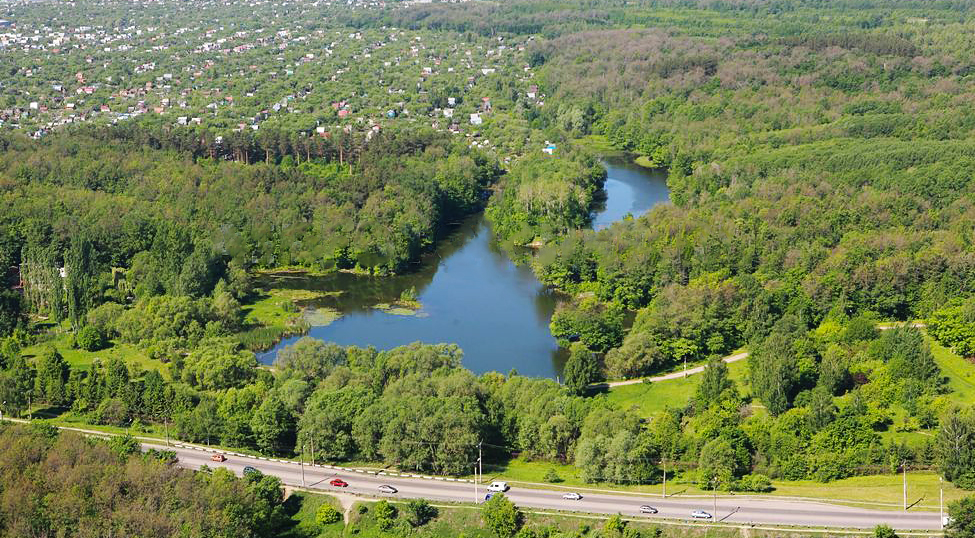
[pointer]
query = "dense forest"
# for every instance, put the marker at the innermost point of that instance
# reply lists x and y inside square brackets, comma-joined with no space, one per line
[68,485]
[818,159]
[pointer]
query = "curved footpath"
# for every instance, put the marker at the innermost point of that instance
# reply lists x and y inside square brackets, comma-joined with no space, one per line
[729,359]
[737,511]
[673,375]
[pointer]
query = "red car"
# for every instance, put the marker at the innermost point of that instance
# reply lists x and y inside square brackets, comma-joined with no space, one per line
[339,483]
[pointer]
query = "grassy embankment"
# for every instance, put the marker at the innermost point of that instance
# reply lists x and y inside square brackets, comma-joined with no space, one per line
[454,521]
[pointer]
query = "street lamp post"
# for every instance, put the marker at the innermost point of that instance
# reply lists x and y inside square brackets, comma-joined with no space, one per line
[665,479]
[714,493]
[301,463]
[904,464]
[941,502]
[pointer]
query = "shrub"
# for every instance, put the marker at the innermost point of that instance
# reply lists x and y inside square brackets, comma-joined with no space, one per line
[552,476]
[327,514]
[90,338]
[419,512]
[385,515]
[112,412]
[757,483]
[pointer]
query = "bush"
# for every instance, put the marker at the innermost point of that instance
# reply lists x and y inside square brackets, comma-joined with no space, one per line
[112,412]
[757,483]
[419,512]
[385,515]
[327,514]
[90,338]
[552,476]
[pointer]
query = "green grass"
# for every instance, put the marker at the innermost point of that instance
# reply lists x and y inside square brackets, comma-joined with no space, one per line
[81,359]
[453,521]
[302,507]
[887,488]
[644,161]
[651,398]
[960,372]
[599,144]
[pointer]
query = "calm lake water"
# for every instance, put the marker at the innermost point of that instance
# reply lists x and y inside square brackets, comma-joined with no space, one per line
[472,293]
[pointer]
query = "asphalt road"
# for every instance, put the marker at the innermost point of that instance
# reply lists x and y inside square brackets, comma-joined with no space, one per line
[737,511]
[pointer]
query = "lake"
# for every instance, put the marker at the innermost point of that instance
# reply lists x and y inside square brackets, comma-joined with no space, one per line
[472,293]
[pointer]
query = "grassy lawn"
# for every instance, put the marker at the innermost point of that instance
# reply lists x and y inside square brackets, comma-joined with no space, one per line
[652,398]
[79,358]
[302,507]
[644,161]
[960,372]
[454,521]
[922,486]
[274,307]
[599,144]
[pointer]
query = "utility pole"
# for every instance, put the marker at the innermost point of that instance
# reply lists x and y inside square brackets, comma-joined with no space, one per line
[941,503]
[301,463]
[480,463]
[665,479]
[476,498]
[312,451]
[714,492]
[905,484]
[167,431]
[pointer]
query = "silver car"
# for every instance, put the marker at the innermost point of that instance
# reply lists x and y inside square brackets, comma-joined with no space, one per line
[385,488]
[647,509]
[572,496]
[700,514]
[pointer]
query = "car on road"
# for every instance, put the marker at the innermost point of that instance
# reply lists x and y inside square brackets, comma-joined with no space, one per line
[218,457]
[488,497]
[386,488]
[250,470]
[647,509]
[498,486]
[339,483]
[573,496]
[700,514]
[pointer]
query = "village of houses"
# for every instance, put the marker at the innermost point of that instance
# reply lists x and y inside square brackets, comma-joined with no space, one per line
[211,68]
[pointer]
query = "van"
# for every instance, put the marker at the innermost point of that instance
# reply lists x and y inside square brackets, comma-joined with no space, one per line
[498,486]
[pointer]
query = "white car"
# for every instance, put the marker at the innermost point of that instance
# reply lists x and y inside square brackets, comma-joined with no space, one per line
[647,509]
[385,488]
[498,486]
[700,514]
[572,496]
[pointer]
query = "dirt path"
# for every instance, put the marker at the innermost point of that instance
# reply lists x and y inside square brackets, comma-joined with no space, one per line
[674,375]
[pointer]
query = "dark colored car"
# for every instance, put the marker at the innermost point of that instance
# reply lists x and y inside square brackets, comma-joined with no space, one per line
[250,470]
